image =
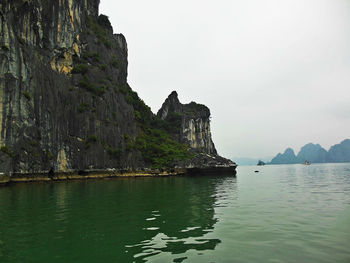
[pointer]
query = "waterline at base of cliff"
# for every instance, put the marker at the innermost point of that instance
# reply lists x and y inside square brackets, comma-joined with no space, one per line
[113,173]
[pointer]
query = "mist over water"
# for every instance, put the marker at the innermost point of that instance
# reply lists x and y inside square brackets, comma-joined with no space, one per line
[284,213]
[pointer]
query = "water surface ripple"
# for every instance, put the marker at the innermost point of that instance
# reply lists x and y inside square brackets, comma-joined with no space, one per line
[284,213]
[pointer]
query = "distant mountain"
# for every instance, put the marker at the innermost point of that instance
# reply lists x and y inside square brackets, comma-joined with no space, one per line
[314,153]
[339,153]
[288,157]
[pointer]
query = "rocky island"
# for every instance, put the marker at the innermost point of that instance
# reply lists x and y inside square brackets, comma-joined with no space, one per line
[66,108]
[315,153]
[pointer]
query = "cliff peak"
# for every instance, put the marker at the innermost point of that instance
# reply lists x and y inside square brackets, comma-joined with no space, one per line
[289,151]
[173,94]
[287,157]
[171,104]
[190,122]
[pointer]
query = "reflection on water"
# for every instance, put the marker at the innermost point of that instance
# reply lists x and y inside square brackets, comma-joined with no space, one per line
[131,220]
[185,224]
[285,213]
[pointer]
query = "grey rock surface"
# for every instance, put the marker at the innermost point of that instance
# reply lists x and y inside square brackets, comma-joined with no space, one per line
[191,126]
[65,104]
[192,122]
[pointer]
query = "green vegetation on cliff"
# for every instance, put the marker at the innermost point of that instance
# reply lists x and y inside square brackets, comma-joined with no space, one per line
[153,140]
[158,148]
[100,27]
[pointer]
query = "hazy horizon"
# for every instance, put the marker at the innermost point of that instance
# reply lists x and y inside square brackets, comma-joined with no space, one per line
[275,74]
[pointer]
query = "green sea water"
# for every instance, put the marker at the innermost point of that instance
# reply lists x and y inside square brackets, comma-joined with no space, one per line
[284,213]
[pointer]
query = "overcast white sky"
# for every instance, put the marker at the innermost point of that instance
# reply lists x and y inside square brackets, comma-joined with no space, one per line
[274,73]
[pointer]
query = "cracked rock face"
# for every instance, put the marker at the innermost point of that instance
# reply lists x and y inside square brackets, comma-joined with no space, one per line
[191,124]
[195,123]
[60,72]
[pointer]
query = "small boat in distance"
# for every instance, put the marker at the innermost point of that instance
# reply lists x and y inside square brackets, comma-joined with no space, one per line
[307,163]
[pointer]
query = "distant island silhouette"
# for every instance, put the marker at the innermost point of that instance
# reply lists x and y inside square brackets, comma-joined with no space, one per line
[315,153]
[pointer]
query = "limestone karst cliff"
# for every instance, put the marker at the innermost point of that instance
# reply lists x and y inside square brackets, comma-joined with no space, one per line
[65,103]
[61,75]
[193,121]
[190,124]
[314,153]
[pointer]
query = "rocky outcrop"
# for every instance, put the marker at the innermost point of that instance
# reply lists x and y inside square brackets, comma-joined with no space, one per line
[65,104]
[191,125]
[193,120]
[260,163]
[209,163]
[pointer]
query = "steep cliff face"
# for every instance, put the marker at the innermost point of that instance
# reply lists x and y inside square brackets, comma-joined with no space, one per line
[63,88]
[190,124]
[193,120]
[65,104]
